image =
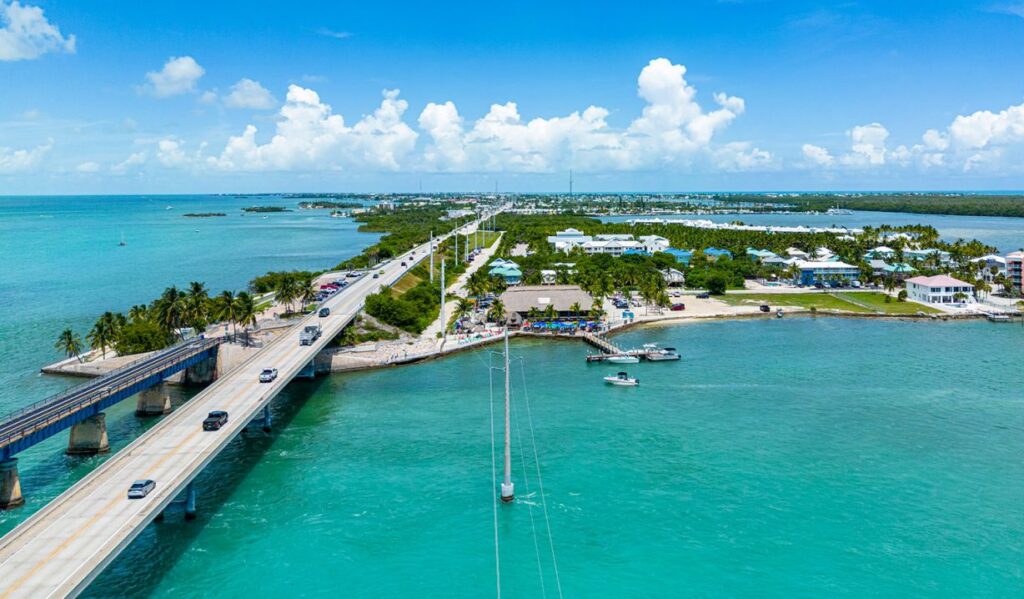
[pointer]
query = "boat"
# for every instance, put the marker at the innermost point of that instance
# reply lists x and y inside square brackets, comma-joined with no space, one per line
[623,359]
[998,318]
[622,380]
[650,346]
[778,313]
[123,243]
[663,355]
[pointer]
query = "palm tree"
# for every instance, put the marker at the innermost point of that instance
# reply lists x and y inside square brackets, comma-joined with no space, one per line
[168,310]
[70,344]
[306,290]
[225,307]
[596,309]
[497,311]
[196,306]
[286,291]
[575,308]
[103,333]
[138,313]
[549,312]
[244,308]
[533,313]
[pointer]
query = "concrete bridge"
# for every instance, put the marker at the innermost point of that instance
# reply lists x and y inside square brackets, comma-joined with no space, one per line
[59,550]
[81,408]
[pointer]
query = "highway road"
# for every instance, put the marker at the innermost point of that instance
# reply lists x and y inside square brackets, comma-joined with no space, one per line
[59,550]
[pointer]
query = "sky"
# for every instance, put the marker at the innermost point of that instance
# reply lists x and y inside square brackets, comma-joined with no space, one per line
[102,97]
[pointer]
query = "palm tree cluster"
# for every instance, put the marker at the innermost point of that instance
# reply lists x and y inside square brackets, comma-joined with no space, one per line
[163,321]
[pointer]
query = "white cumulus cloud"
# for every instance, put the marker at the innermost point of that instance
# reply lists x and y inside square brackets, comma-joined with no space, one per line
[249,94]
[131,163]
[672,128]
[20,161]
[309,136]
[27,34]
[179,75]
[88,167]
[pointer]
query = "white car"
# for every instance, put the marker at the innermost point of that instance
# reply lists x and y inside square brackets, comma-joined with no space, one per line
[268,375]
[140,489]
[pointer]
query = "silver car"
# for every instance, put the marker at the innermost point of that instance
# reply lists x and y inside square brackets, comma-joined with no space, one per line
[268,375]
[140,489]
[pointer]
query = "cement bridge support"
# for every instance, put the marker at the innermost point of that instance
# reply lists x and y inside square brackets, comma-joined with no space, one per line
[10,485]
[154,401]
[202,373]
[89,436]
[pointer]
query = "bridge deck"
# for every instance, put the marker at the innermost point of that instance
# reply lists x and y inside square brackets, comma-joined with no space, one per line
[61,548]
[36,422]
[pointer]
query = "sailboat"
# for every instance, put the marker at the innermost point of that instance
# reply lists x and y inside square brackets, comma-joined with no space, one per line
[122,244]
[507,488]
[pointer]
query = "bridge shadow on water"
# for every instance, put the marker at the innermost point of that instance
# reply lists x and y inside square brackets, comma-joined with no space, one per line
[138,571]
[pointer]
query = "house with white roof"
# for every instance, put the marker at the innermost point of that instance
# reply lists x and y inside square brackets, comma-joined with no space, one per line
[615,247]
[989,262]
[797,253]
[939,289]
[654,243]
[565,241]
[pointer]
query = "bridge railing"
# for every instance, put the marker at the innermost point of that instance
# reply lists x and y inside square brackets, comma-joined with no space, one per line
[96,384]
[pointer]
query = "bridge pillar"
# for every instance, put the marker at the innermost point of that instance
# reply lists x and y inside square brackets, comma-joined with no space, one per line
[154,401]
[309,370]
[10,485]
[201,373]
[89,436]
[266,421]
[190,502]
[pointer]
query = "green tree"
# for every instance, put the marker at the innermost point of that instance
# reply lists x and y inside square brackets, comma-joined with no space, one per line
[575,308]
[225,308]
[286,291]
[70,344]
[103,333]
[141,336]
[307,290]
[245,312]
[716,283]
[497,311]
[168,310]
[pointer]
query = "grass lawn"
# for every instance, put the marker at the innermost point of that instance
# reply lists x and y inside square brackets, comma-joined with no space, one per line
[877,302]
[821,301]
[407,282]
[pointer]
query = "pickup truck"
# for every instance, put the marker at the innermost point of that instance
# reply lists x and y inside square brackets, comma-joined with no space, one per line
[310,334]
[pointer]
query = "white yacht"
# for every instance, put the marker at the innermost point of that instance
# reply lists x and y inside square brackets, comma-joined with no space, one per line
[623,359]
[621,379]
[663,355]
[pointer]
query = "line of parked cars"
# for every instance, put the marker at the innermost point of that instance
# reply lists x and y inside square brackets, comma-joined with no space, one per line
[329,289]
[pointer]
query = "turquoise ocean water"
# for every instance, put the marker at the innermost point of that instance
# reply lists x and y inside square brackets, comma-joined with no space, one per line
[793,457]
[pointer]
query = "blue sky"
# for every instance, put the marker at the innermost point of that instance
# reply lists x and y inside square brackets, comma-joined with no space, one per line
[104,97]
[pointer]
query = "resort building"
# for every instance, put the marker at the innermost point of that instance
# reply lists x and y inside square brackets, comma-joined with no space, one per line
[811,272]
[716,253]
[940,289]
[797,253]
[615,247]
[1015,269]
[564,241]
[520,300]
[899,271]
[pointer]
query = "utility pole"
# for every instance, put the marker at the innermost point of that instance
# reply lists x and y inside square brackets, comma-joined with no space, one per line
[431,256]
[507,488]
[444,321]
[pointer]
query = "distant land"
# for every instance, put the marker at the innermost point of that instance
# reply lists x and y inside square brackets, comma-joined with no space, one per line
[266,209]
[203,214]
[328,204]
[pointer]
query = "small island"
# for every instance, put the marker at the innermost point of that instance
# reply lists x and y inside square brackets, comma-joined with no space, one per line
[203,214]
[323,204]
[266,209]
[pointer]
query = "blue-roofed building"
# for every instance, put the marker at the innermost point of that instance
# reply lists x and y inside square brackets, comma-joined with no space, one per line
[681,256]
[635,252]
[512,275]
[760,255]
[716,253]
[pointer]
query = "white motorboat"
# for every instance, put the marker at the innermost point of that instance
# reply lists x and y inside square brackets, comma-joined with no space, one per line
[663,355]
[623,359]
[622,380]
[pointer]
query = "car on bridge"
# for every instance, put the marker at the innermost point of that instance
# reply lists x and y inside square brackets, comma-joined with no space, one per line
[215,420]
[310,334]
[140,489]
[324,312]
[267,375]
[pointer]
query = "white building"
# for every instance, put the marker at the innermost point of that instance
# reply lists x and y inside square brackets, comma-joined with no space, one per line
[940,289]
[565,241]
[615,247]
[991,261]
[654,243]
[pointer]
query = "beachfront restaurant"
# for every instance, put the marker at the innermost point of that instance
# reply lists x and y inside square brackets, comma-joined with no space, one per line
[823,272]
[940,289]
[519,300]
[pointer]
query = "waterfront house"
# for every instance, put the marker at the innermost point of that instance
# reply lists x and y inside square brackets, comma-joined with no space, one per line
[519,300]
[673,277]
[877,265]
[939,289]
[811,272]
[989,262]
[899,271]
[1015,270]
[793,252]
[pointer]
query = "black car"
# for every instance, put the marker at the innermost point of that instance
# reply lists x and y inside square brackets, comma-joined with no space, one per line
[325,312]
[765,308]
[215,420]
